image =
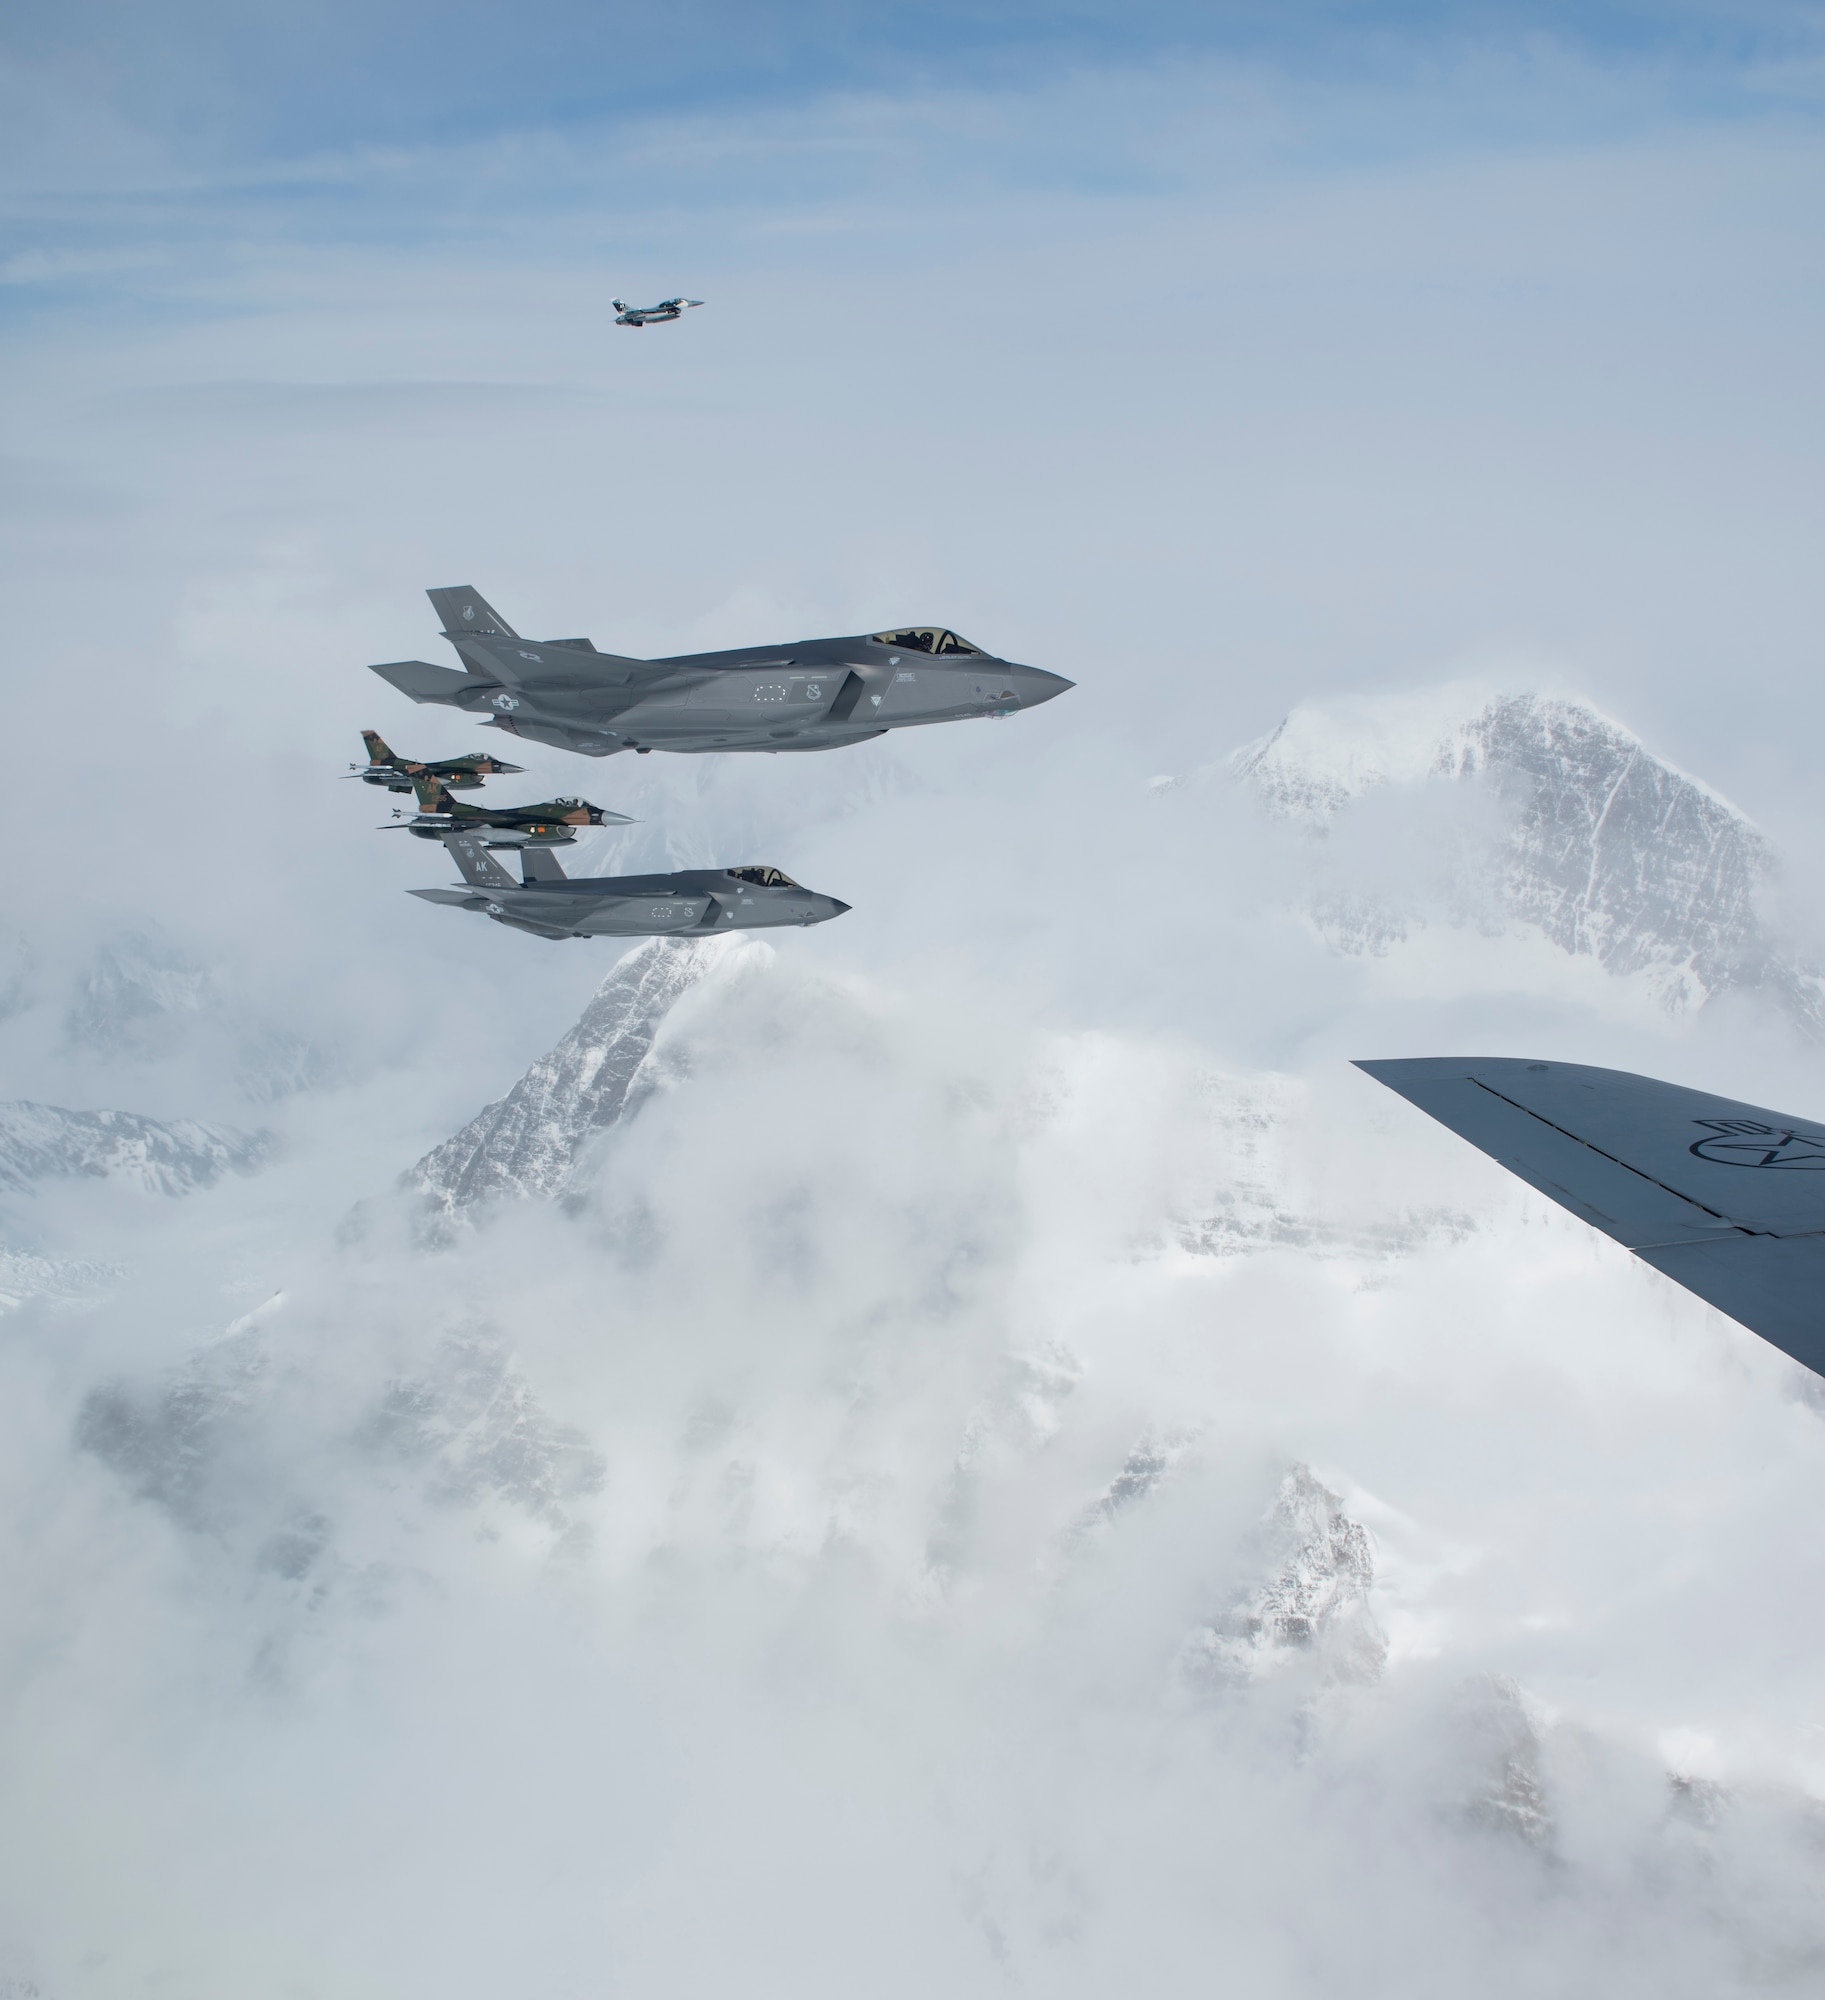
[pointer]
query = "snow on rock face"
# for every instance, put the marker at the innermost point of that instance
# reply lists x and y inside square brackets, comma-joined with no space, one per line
[464,1424]
[1314,1600]
[143,999]
[526,1144]
[26,1275]
[43,1142]
[1605,850]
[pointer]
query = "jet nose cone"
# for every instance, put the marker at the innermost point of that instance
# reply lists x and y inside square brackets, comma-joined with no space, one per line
[1033,685]
[838,909]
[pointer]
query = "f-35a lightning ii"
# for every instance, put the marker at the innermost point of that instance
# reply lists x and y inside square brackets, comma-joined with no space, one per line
[550,823]
[694,903]
[813,694]
[626,315]
[460,774]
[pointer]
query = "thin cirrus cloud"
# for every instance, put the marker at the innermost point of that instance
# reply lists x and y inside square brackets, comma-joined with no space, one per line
[221,85]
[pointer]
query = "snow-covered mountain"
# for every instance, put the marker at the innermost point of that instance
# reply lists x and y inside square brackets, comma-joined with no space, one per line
[988,1407]
[141,998]
[1589,840]
[40,1142]
[527,1143]
[1317,1572]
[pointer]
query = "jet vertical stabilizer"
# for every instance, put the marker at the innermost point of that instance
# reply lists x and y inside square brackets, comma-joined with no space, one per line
[467,614]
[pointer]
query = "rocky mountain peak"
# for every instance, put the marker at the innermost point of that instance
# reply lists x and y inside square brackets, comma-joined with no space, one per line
[527,1143]
[1313,1599]
[1607,850]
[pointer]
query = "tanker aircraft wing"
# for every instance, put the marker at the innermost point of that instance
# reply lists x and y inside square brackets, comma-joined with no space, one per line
[1726,1199]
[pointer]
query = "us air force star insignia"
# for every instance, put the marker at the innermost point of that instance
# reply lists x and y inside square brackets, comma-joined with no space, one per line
[1746,1142]
[505,702]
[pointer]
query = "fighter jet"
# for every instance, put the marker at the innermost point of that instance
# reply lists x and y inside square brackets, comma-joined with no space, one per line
[626,315]
[1725,1199]
[695,903]
[813,694]
[550,823]
[460,774]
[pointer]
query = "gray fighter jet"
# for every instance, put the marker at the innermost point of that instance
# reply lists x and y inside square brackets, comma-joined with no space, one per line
[694,903]
[1724,1198]
[813,694]
[626,315]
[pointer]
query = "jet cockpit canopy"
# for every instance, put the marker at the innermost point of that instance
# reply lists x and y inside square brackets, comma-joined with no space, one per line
[767,878]
[930,639]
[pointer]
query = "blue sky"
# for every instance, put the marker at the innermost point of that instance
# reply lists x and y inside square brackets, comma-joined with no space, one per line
[224,86]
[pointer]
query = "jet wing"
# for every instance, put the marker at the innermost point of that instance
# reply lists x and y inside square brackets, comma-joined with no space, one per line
[1726,1199]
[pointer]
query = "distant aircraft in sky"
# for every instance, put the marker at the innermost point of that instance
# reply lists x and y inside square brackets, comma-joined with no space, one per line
[809,694]
[626,315]
[1724,1198]
[697,902]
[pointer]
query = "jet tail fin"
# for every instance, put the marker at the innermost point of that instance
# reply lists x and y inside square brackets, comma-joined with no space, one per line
[467,614]
[539,864]
[432,797]
[378,753]
[479,867]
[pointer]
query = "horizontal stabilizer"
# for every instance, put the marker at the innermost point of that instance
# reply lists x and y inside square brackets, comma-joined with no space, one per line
[424,682]
[466,899]
[1727,1199]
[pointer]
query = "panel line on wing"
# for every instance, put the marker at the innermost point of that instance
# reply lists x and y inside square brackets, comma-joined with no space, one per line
[1679,1194]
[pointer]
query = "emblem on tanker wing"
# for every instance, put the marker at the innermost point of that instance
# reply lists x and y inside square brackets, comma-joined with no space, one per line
[1746,1142]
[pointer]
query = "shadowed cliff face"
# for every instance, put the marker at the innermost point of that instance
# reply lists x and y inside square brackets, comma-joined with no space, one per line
[528,1142]
[1594,842]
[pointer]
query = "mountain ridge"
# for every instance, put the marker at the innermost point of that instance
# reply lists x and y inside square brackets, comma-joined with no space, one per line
[1602,847]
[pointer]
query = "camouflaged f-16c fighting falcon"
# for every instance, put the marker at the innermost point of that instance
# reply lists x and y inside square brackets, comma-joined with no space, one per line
[813,694]
[1724,1198]
[460,774]
[694,903]
[550,823]
[626,315]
